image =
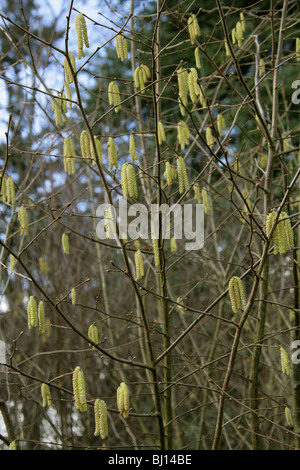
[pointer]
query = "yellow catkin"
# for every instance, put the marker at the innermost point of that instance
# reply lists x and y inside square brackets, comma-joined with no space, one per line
[79,389]
[73,296]
[209,137]
[23,219]
[12,262]
[85,144]
[193,27]
[109,223]
[221,124]
[114,96]
[197,193]
[298,49]
[65,243]
[132,150]
[98,155]
[81,33]
[180,306]
[183,88]
[8,190]
[123,400]
[139,265]
[161,133]
[46,395]
[242,20]
[197,58]
[227,50]
[283,233]
[156,253]
[141,76]
[168,174]
[124,181]
[112,153]
[288,417]
[44,266]
[68,94]
[121,47]
[239,33]
[70,68]
[183,134]
[194,89]
[69,154]
[12,446]
[285,361]
[173,244]
[262,68]
[32,316]
[100,412]
[41,317]
[183,181]
[236,294]
[93,334]
[205,200]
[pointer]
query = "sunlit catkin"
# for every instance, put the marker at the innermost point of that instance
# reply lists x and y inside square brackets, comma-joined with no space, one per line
[100,412]
[298,49]
[85,144]
[242,20]
[121,47]
[285,361]
[183,134]
[12,445]
[23,219]
[128,181]
[98,155]
[193,27]
[221,124]
[68,94]
[283,233]
[12,262]
[8,190]
[180,306]
[109,223]
[239,33]
[41,317]
[69,154]
[69,68]
[197,193]
[81,33]
[183,180]
[197,58]
[112,153]
[173,244]
[156,253]
[141,76]
[205,200]
[79,389]
[288,417]
[236,294]
[132,150]
[123,400]
[46,395]
[65,243]
[93,334]
[209,137]
[114,96]
[139,265]
[262,68]
[168,174]
[183,88]
[161,133]
[32,316]
[194,88]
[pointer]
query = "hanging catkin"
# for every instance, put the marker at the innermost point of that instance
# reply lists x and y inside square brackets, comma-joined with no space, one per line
[197,58]
[132,148]
[197,193]
[205,200]
[121,47]
[65,244]
[123,400]
[139,265]
[156,253]
[12,262]
[161,133]
[183,134]
[112,153]
[23,219]
[69,154]
[183,88]
[100,412]
[93,334]
[41,317]
[114,96]
[70,69]
[79,389]
[168,174]
[141,76]
[128,181]
[81,33]
[32,317]
[193,27]
[46,395]
[285,361]
[283,233]
[209,137]
[221,124]
[85,144]
[236,294]
[73,296]
[183,181]
[173,244]
[288,417]
[194,88]
[8,190]
[298,49]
